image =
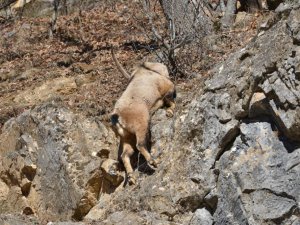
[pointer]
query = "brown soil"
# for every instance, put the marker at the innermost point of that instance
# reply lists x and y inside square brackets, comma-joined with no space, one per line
[33,66]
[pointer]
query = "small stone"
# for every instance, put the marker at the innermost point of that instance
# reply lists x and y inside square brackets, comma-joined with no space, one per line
[65,61]
[264,26]
[83,67]
[202,216]
[110,169]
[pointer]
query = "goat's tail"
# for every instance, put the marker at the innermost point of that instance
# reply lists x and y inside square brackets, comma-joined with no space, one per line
[116,125]
[114,119]
[108,118]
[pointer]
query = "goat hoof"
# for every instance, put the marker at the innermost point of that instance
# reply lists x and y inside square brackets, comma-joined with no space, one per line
[153,163]
[131,179]
[169,113]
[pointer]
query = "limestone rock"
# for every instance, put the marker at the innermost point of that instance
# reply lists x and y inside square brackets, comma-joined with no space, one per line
[252,173]
[17,219]
[111,170]
[243,131]
[202,216]
[51,163]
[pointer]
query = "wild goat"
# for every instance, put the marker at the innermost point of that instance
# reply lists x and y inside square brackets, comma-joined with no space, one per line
[149,89]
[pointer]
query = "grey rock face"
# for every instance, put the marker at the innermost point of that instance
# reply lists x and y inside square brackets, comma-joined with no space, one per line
[49,163]
[203,217]
[245,125]
[17,219]
[254,173]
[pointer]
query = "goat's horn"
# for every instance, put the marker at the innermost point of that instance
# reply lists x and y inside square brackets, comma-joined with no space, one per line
[120,67]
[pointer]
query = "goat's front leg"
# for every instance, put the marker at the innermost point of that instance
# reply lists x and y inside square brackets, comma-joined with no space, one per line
[159,104]
[169,101]
[170,109]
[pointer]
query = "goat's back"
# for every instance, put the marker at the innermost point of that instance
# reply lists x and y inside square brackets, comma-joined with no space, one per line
[145,88]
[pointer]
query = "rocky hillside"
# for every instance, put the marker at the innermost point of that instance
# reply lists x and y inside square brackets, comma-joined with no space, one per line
[230,155]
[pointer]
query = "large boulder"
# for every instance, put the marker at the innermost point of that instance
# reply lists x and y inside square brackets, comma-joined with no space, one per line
[245,125]
[51,163]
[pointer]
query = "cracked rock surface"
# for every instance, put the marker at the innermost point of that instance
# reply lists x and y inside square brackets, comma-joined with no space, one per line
[49,164]
[245,124]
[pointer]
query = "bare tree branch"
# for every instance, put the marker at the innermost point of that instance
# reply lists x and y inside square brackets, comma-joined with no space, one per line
[186,20]
[147,10]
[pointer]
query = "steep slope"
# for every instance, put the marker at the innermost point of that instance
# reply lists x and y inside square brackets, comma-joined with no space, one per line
[231,155]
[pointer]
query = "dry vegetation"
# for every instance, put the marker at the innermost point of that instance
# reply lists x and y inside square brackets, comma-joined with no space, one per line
[79,53]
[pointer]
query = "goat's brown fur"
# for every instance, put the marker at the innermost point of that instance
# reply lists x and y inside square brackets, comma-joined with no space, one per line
[150,88]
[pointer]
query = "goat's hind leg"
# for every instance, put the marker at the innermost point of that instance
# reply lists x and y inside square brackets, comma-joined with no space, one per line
[126,154]
[141,139]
